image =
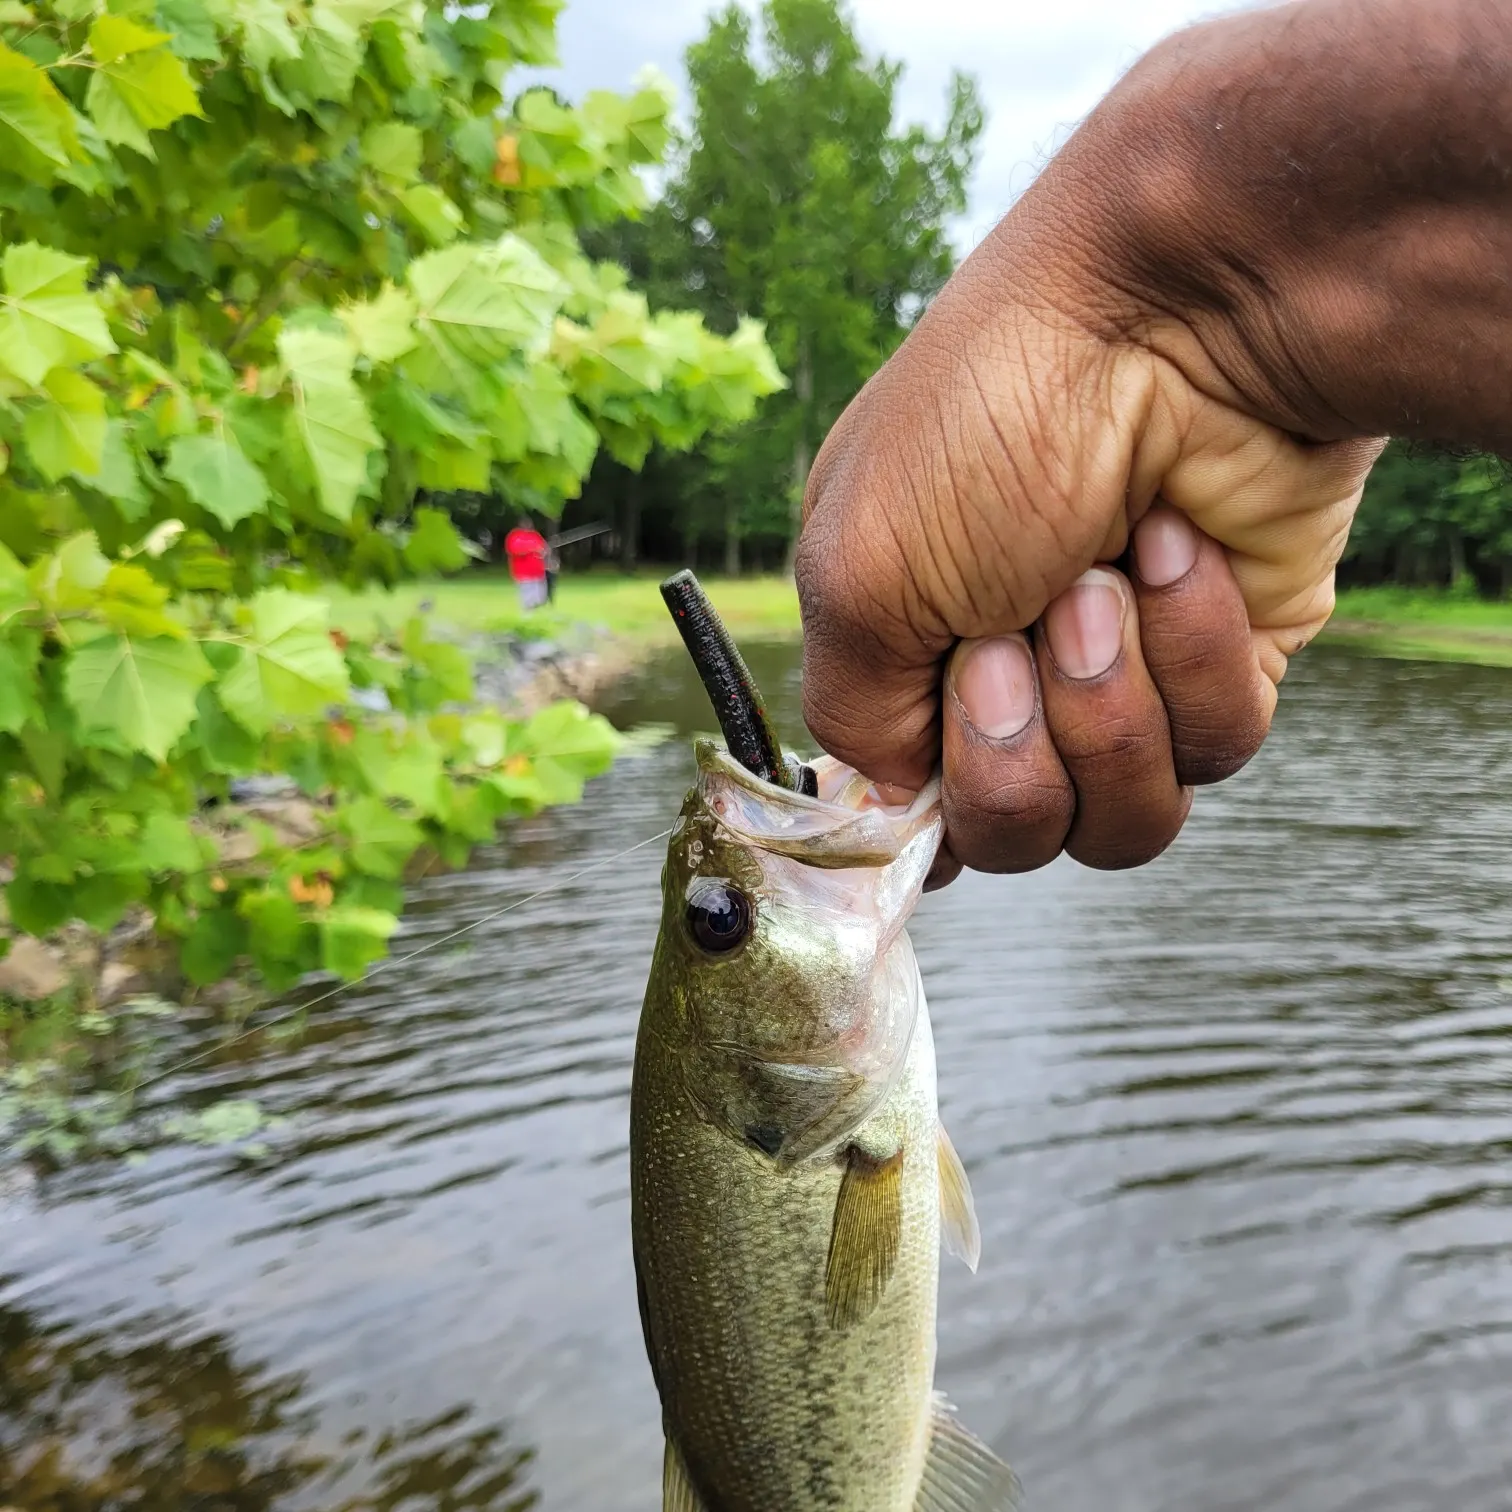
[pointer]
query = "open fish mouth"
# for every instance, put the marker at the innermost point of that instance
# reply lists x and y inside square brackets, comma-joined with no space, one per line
[851,823]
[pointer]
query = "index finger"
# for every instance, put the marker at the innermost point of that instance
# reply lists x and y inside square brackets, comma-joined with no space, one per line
[939,509]
[871,671]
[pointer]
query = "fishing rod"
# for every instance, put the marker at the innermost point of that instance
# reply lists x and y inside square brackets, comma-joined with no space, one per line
[579,533]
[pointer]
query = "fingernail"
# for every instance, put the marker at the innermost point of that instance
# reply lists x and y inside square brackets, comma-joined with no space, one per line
[1165,547]
[1084,626]
[994,682]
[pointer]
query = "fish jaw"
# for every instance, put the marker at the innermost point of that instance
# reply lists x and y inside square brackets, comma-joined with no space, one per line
[795,1037]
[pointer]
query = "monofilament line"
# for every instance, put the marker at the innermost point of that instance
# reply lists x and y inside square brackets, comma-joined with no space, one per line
[390,963]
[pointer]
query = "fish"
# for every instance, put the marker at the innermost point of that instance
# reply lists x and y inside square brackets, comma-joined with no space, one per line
[791,1183]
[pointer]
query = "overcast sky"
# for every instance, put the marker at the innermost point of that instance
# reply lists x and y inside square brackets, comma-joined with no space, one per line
[1040,64]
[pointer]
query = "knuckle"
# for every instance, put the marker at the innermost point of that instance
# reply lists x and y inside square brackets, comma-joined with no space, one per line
[1215,756]
[1013,822]
[1114,845]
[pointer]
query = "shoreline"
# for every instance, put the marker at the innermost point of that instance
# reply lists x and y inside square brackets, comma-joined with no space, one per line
[523,662]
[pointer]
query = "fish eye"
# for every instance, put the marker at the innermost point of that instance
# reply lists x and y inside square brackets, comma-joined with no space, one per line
[719,916]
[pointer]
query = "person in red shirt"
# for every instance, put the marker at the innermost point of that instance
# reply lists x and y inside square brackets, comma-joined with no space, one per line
[525,547]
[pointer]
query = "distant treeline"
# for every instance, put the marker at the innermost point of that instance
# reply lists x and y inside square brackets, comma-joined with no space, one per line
[798,199]
[1434,519]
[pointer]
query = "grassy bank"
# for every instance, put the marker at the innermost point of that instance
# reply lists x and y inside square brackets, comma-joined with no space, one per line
[1392,621]
[626,606]
[1424,624]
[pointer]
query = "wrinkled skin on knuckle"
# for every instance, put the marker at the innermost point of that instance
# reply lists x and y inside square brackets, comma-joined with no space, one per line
[1214,746]
[866,699]
[1126,849]
[1217,722]
[1009,821]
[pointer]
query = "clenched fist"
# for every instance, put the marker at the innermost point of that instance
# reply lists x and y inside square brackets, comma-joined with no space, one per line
[1283,237]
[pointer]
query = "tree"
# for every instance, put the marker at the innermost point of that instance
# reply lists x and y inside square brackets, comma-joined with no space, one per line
[274,278]
[798,200]
[1433,518]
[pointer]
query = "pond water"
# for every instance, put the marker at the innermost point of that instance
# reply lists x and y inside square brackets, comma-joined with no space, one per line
[1239,1126]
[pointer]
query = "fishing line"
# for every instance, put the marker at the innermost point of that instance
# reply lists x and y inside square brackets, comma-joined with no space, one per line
[388,964]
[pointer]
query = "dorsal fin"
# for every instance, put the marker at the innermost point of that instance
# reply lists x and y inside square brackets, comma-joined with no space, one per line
[958,1219]
[961,1474]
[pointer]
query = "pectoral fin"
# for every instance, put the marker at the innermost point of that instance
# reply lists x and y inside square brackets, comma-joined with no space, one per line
[864,1241]
[958,1219]
[678,1494]
[961,1473]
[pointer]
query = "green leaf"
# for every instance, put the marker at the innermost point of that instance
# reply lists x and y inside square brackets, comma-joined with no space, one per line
[266,34]
[448,674]
[352,938]
[36,126]
[167,844]
[66,433]
[410,768]
[112,38]
[18,684]
[38,907]
[382,840]
[290,666]
[135,694]
[15,590]
[393,149]
[434,545]
[478,305]
[216,474]
[227,746]
[567,733]
[47,316]
[118,476]
[140,86]
[383,328]
[331,419]
[132,601]
[102,900]
[529,26]
[330,56]
[279,935]
[212,947]
[191,30]
[430,208]
[70,577]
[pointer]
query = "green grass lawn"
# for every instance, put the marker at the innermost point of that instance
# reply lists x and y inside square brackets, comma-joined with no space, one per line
[1418,606]
[1424,624]
[624,605]
[1394,621]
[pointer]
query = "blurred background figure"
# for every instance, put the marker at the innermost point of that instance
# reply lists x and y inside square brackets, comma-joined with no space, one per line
[527,550]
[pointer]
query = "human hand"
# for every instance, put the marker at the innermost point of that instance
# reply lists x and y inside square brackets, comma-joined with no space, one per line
[1141,354]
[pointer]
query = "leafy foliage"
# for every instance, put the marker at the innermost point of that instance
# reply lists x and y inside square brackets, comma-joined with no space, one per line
[797,198]
[1433,519]
[275,279]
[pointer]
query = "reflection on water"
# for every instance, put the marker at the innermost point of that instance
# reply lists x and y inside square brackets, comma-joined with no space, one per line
[1240,1127]
[156,1417]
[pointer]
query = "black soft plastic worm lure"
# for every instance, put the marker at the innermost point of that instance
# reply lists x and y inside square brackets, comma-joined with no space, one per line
[737,702]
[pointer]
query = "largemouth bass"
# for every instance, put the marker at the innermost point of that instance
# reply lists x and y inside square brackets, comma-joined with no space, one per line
[791,1183]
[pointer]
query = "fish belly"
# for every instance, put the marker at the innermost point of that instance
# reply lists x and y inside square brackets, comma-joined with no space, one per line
[772,1407]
